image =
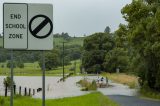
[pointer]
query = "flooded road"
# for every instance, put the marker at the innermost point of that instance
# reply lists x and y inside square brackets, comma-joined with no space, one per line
[64,89]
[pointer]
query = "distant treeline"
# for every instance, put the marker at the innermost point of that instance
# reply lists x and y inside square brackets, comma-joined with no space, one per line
[62,35]
[53,58]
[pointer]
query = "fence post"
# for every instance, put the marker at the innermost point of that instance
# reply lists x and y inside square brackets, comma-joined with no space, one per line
[20,90]
[29,91]
[33,91]
[6,90]
[14,86]
[25,91]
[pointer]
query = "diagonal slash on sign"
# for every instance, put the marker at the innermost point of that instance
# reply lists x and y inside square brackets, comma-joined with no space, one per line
[40,26]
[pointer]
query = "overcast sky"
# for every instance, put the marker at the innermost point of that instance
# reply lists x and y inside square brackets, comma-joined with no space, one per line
[79,17]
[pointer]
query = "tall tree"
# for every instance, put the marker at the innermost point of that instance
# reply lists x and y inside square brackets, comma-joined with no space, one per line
[107,30]
[52,59]
[143,33]
[95,48]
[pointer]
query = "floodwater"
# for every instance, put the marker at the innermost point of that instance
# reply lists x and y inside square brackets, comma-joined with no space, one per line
[69,88]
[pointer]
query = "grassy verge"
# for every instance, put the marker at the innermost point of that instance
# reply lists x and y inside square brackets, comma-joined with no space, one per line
[122,78]
[149,94]
[93,99]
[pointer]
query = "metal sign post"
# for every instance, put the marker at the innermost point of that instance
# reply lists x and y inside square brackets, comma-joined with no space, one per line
[28,26]
[11,65]
[43,78]
[63,62]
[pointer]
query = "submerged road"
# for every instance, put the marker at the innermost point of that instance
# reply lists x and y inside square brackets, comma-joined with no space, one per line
[69,88]
[133,101]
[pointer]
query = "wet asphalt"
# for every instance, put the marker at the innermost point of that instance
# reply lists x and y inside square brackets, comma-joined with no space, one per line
[133,101]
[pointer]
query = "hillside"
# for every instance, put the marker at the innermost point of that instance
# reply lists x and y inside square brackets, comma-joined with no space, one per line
[70,41]
[58,41]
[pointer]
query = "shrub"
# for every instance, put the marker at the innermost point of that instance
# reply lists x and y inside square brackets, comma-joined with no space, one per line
[146,92]
[86,85]
[93,86]
[20,65]
[2,66]
[9,64]
[7,82]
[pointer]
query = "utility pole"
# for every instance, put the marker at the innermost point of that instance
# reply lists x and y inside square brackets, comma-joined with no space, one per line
[63,61]
[75,66]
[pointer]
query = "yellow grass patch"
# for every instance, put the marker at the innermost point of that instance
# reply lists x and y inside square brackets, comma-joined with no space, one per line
[122,78]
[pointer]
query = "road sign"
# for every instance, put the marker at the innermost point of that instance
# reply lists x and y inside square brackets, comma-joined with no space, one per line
[39,27]
[15,26]
[40,35]
[28,26]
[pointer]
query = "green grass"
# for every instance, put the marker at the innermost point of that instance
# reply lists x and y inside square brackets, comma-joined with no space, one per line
[71,41]
[149,94]
[33,69]
[58,41]
[93,99]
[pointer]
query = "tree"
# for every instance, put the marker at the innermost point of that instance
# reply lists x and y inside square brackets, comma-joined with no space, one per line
[95,48]
[20,64]
[7,84]
[116,58]
[107,30]
[121,38]
[9,64]
[52,60]
[143,34]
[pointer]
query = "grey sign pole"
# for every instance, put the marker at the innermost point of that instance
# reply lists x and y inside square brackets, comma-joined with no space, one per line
[11,63]
[43,78]
[63,61]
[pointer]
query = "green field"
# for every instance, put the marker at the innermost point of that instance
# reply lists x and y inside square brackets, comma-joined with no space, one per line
[33,69]
[58,41]
[71,41]
[93,99]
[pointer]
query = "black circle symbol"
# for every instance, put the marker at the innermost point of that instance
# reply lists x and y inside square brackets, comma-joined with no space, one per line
[40,26]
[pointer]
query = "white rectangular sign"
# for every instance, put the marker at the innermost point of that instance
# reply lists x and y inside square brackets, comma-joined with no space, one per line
[28,26]
[15,26]
[40,35]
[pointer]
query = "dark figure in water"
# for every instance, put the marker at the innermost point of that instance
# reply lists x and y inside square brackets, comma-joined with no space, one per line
[102,79]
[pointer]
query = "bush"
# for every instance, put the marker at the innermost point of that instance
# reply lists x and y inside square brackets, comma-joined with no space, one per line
[2,66]
[93,86]
[86,85]
[72,69]
[20,65]
[7,82]
[9,64]
[146,92]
